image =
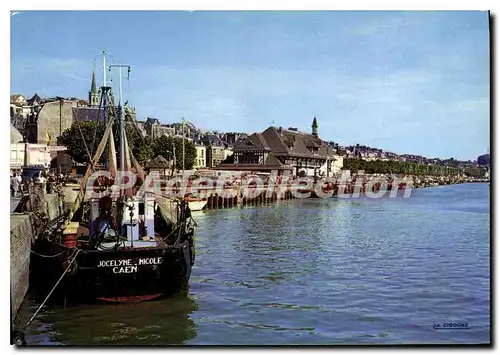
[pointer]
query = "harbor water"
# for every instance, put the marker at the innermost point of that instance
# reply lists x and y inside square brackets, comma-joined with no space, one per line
[313,272]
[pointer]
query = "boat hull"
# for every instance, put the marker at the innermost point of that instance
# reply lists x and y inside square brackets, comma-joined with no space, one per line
[197,205]
[124,275]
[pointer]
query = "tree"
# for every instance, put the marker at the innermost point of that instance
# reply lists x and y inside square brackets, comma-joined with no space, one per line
[143,150]
[79,135]
[165,146]
[399,167]
[90,133]
[141,146]
[477,172]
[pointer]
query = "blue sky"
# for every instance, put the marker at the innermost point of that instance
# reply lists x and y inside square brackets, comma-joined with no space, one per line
[407,82]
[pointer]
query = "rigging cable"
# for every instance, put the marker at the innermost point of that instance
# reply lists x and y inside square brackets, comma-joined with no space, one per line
[85,144]
[98,115]
[19,336]
[101,105]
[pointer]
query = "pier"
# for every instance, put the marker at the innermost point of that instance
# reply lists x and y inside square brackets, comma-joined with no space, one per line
[243,193]
[29,214]
[265,197]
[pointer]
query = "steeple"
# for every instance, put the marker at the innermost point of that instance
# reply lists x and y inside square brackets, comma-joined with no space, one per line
[93,93]
[315,127]
[93,87]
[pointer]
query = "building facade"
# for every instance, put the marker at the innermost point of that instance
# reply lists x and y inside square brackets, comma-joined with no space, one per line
[50,121]
[215,155]
[283,150]
[201,156]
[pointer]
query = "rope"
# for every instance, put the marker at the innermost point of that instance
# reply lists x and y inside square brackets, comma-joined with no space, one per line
[38,254]
[85,143]
[171,233]
[51,291]
[47,256]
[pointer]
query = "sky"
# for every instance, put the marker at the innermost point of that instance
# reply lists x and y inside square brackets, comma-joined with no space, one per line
[412,82]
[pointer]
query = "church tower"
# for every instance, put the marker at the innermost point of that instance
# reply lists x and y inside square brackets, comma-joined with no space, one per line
[315,127]
[94,94]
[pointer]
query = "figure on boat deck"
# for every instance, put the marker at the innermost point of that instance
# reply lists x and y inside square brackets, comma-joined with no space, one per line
[106,221]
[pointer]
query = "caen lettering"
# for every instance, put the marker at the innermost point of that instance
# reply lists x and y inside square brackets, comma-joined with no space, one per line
[124,269]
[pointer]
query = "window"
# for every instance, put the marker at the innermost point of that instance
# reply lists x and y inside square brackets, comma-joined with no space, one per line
[250,158]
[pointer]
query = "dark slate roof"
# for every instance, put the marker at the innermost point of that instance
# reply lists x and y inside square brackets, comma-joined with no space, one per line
[254,141]
[34,99]
[284,142]
[273,161]
[82,114]
[159,162]
[152,120]
[212,139]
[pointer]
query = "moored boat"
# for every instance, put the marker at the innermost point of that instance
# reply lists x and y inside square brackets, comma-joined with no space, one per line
[117,243]
[195,203]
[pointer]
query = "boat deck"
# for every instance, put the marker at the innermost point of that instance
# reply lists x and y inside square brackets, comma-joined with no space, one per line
[136,244]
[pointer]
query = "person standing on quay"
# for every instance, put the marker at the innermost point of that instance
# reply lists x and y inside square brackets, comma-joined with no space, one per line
[20,180]
[43,182]
[14,185]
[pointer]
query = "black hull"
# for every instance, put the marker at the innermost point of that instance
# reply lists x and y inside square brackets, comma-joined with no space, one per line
[124,275]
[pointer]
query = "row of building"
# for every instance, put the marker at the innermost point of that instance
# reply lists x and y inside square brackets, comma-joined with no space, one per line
[274,149]
[41,121]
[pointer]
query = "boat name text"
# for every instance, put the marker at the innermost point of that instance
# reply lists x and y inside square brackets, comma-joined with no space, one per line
[128,266]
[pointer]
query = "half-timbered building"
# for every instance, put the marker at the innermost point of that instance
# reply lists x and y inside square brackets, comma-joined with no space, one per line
[282,150]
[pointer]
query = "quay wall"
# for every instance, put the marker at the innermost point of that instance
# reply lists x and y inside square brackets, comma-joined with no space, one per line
[234,197]
[23,231]
[25,226]
[214,201]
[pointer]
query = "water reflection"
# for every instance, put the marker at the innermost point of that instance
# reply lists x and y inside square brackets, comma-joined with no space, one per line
[164,322]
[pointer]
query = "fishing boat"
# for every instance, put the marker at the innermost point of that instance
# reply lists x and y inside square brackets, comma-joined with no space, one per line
[117,243]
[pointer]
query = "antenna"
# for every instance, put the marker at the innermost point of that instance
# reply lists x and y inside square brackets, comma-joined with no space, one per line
[104,82]
[183,148]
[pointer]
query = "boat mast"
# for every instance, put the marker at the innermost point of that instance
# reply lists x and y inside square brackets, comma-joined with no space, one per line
[104,82]
[183,149]
[104,100]
[122,117]
[175,159]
